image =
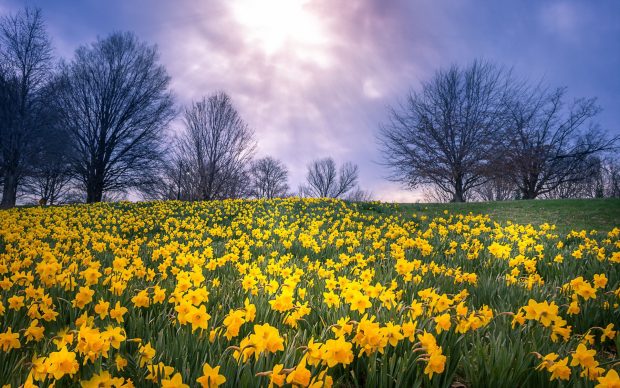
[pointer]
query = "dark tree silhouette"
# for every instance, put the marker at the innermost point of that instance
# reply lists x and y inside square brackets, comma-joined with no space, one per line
[610,175]
[50,178]
[218,146]
[175,178]
[25,63]
[497,187]
[325,181]
[116,104]
[359,195]
[446,135]
[268,178]
[587,182]
[548,143]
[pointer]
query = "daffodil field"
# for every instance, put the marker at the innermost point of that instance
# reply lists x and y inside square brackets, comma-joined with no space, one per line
[302,292]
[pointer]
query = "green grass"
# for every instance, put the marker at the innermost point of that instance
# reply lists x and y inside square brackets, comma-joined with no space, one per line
[566,214]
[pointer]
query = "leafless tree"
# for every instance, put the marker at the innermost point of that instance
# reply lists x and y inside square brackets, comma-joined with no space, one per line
[325,181]
[548,143]
[49,177]
[586,183]
[8,125]
[446,134]
[611,177]
[359,195]
[50,181]
[433,194]
[173,181]
[25,64]
[268,178]
[218,146]
[116,103]
[496,188]
[177,178]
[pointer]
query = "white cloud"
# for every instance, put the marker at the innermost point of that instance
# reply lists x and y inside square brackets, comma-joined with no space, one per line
[310,76]
[392,192]
[561,18]
[370,89]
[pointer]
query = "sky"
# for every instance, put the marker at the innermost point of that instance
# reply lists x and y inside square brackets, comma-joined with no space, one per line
[315,78]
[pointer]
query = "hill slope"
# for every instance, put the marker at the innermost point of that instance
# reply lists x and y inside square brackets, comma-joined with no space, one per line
[566,214]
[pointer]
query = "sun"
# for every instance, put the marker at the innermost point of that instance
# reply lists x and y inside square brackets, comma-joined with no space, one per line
[277,25]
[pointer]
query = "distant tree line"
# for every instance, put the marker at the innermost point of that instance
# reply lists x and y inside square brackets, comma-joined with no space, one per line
[95,127]
[479,133]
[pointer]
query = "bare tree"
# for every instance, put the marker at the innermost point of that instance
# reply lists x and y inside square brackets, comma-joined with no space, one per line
[25,63]
[496,188]
[602,180]
[218,146]
[116,104]
[8,124]
[359,195]
[174,180]
[586,182]
[49,179]
[611,177]
[433,194]
[548,144]
[268,178]
[446,134]
[324,181]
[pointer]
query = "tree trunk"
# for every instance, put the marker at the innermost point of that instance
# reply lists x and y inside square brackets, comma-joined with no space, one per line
[529,191]
[459,195]
[93,195]
[530,181]
[94,190]
[9,192]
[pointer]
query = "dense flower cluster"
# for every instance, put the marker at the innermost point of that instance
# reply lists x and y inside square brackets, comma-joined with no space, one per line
[301,292]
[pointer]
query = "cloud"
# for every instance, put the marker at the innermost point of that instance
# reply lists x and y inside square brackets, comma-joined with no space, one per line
[562,19]
[306,97]
[393,192]
[371,89]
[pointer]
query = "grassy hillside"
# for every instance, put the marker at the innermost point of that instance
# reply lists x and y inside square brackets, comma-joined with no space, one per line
[566,214]
[311,292]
